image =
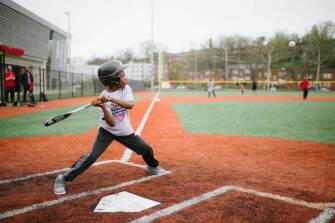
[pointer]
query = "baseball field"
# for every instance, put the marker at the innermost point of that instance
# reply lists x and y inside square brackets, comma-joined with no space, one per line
[265,157]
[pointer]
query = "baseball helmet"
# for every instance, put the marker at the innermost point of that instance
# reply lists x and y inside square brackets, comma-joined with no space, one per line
[108,72]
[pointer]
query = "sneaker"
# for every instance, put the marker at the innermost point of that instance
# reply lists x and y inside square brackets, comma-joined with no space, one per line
[59,187]
[156,170]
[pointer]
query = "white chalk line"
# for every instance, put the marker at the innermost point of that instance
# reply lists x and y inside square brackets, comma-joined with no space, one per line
[61,200]
[127,153]
[184,204]
[319,206]
[325,216]
[7,181]
[177,207]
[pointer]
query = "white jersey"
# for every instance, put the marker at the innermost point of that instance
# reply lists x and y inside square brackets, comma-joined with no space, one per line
[121,115]
[210,86]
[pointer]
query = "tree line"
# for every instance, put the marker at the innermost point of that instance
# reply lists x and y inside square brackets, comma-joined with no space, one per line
[311,53]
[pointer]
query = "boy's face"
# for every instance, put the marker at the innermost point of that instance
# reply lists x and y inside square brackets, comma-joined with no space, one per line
[123,80]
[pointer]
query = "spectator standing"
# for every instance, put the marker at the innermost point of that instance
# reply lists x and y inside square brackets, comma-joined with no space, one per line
[254,86]
[305,85]
[9,85]
[27,82]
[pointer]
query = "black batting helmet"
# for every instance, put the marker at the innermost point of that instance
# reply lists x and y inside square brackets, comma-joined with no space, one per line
[108,72]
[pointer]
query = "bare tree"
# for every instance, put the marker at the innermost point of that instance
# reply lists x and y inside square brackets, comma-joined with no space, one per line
[320,46]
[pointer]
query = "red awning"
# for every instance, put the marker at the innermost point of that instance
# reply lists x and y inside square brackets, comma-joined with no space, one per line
[8,49]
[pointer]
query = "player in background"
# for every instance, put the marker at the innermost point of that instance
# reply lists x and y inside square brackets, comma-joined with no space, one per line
[305,85]
[114,125]
[211,88]
[242,88]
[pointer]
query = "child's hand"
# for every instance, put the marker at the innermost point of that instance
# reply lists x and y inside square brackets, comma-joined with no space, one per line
[97,102]
[103,99]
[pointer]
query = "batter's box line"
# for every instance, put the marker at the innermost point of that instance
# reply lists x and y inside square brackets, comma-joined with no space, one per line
[17,179]
[327,214]
[63,199]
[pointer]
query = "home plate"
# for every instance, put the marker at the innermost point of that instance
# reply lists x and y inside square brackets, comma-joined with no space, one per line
[124,202]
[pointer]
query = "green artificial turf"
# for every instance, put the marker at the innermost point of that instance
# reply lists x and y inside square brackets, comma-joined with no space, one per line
[284,119]
[236,92]
[32,124]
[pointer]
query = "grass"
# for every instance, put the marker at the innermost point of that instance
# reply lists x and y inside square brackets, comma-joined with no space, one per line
[290,119]
[32,124]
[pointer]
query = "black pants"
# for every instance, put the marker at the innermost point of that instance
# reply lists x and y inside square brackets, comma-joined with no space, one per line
[103,140]
[30,94]
[305,93]
[213,92]
[9,91]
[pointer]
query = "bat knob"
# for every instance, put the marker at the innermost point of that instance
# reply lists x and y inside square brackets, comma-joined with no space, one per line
[45,123]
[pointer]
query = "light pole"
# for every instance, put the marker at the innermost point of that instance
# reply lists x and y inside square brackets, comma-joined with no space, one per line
[69,41]
[152,45]
[226,63]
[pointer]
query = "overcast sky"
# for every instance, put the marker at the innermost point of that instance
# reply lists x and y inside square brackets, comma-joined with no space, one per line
[106,27]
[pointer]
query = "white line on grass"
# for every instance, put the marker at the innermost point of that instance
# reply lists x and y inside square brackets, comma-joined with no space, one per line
[65,169]
[127,153]
[61,200]
[184,204]
[327,215]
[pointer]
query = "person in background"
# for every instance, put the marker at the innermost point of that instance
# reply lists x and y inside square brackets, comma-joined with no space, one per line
[211,88]
[9,85]
[254,86]
[242,88]
[305,85]
[27,82]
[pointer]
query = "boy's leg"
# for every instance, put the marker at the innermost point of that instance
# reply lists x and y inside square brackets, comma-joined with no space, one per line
[305,93]
[214,94]
[135,143]
[101,143]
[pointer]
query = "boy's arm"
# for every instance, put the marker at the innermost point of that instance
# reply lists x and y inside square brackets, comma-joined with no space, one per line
[123,103]
[107,114]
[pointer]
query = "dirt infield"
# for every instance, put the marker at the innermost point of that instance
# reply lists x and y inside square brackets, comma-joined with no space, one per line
[296,169]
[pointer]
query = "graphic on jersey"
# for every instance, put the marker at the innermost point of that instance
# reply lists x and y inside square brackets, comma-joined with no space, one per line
[118,112]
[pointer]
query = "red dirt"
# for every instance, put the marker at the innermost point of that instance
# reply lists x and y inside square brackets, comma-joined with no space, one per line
[200,163]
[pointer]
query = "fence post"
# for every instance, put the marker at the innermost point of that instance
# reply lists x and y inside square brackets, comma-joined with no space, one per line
[59,85]
[40,82]
[2,78]
[93,85]
[82,85]
[43,77]
[71,83]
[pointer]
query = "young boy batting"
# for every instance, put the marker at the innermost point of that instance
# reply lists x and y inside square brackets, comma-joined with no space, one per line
[114,124]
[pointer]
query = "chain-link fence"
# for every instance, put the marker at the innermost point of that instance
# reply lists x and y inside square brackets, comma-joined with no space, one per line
[53,84]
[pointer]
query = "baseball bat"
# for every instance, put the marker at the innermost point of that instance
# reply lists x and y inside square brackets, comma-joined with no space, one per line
[63,116]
